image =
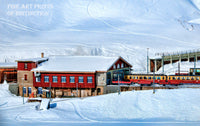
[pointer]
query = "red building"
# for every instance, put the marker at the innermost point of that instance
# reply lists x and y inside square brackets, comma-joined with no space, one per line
[70,75]
[8,72]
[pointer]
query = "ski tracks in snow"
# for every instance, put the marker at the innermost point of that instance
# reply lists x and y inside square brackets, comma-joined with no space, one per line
[136,33]
[17,25]
[77,111]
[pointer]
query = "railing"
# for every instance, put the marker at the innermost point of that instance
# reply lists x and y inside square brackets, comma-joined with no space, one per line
[178,52]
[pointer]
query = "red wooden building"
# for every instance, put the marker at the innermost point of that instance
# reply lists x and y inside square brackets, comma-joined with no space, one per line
[8,72]
[69,75]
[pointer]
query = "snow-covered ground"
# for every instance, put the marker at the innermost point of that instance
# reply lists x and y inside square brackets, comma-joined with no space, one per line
[165,107]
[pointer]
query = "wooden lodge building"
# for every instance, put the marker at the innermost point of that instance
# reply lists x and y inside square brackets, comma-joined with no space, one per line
[8,72]
[69,76]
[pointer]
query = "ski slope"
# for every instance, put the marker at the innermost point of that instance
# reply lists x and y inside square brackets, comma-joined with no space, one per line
[165,107]
[91,27]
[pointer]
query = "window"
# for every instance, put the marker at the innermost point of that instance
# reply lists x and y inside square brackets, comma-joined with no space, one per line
[72,79]
[24,90]
[149,77]
[114,66]
[122,65]
[118,66]
[197,78]
[89,79]
[39,90]
[188,78]
[141,77]
[192,78]
[55,79]
[136,77]
[133,77]
[80,79]
[25,66]
[145,77]
[174,78]
[183,78]
[169,78]
[25,77]
[29,90]
[46,79]
[163,78]
[158,78]
[63,79]
[178,78]
[38,79]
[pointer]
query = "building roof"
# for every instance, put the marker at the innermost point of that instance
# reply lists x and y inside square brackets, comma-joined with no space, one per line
[8,65]
[33,60]
[77,63]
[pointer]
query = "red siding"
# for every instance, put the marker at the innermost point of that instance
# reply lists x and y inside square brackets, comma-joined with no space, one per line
[67,84]
[30,65]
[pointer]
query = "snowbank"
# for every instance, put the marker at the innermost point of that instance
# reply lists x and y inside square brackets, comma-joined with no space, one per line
[165,106]
[171,69]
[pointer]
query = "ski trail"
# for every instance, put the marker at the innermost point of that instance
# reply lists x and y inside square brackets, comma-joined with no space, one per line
[137,33]
[4,104]
[77,111]
[10,107]
[16,25]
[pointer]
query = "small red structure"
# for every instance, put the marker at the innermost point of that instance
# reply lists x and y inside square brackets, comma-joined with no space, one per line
[8,72]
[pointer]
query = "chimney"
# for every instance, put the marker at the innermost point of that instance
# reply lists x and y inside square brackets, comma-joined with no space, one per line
[42,55]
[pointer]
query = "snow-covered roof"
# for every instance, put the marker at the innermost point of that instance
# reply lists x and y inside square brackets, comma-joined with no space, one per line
[8,65]
[77,63]
[33,60]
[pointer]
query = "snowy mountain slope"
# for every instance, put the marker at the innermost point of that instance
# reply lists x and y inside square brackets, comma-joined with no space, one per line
[92,27]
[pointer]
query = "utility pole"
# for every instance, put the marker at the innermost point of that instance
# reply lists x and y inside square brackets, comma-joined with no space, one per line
[147,60]
[50,90]
[194,71]
[163,70]
[23,89]
[179,71]
[77,89]
[154,81]
[118,85]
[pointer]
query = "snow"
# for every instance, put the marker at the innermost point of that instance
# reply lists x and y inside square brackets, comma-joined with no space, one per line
[34,59]
[195,21]
[77,63]
[171,69]
[8,64]
[169,107]
[44,104]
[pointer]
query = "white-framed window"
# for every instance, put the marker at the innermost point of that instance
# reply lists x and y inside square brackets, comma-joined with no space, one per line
[122,65]
[63,79]
[55,79]
[46,79]
[114,66]
[25,66]
[118,66]
[29,90]
[89,79]
[72,79]
[38,79]
[80,79]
